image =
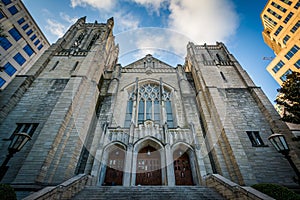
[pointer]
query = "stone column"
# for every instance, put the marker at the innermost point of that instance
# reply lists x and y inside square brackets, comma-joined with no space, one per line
[128,166]
[199,164]
[200,167]
[102,174]
[169,166]
[133,168]
[97,165]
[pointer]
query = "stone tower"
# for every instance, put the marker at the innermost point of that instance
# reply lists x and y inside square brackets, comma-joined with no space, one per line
[147,123]
[55,103]
[237,118]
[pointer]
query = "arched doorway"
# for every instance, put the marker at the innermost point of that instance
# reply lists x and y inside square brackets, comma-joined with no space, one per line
[148,167]
[115,167]
[182,168]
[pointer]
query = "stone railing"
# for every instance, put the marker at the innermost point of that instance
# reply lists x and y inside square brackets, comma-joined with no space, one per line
[66,190]
[181,135]
[233,191]
[120,135]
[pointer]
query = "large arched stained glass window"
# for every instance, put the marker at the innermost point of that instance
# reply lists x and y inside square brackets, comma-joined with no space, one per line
[149,105]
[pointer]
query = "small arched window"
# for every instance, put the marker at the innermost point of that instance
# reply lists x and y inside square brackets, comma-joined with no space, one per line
[92,42]
[219,57]
[203,57]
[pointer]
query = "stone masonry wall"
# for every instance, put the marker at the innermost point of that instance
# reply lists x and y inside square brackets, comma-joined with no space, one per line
[35,107]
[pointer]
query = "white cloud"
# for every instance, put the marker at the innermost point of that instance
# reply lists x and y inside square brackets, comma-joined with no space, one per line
[125,21]
[150,43]
[56,28]
[135,44]
[99,4]
[124,18]
[152,5]
[199,21]
[202,20]
[68,18]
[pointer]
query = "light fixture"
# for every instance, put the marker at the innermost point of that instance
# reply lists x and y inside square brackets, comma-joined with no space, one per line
[280,144]
[17,143]
[148,152]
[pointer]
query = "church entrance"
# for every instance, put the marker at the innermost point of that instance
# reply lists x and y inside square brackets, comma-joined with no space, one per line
[182,168]
[148,167]
[114,168]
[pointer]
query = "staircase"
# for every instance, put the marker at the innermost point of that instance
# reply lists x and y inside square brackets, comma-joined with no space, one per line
[147,192]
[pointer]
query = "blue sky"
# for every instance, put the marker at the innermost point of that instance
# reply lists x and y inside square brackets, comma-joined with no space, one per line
[163,27]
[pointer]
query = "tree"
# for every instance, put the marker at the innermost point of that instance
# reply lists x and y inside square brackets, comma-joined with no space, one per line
[289,98]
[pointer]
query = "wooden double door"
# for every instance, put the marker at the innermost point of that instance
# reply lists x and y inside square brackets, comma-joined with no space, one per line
[148,169]
[115,167]
[182,168]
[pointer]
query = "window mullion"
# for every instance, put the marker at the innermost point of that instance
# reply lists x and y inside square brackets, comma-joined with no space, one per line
[152,110]
[145,109]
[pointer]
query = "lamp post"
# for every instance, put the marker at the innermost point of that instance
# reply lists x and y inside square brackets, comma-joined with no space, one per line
[17,143]
[280,144]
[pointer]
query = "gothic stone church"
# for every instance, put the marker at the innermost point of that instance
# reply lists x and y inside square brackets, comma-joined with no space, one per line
[147,123]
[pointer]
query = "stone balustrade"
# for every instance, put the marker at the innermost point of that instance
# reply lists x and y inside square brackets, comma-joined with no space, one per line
[174,135]
[181,135]
[120,135]
[65,190]
[233,191]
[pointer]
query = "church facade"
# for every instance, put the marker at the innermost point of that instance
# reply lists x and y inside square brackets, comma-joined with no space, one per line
[147,123]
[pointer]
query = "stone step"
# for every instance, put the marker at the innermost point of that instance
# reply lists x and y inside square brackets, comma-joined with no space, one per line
[147,192]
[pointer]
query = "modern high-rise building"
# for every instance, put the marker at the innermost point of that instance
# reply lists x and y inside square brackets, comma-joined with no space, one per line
[281,21]
[147,123]
[24,42]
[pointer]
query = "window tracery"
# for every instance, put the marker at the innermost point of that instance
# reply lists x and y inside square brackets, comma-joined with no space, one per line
[149,104]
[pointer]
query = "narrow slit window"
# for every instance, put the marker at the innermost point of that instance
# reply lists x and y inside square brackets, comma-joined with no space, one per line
[223,76]
[75,66]
[54,66]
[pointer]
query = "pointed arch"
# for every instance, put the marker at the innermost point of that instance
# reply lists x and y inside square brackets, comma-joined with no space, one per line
[183,145]
[155,143]
[111,145]
[148,162]
[130,86]
[113,163]
[184,164]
